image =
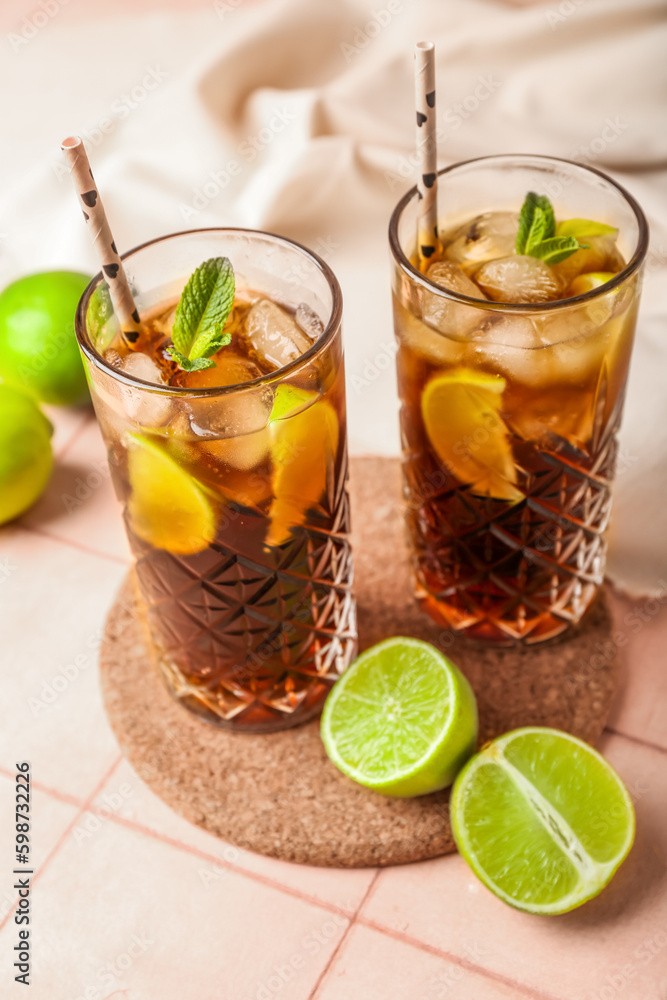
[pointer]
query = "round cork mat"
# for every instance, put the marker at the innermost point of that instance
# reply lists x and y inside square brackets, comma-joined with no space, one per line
[278,794]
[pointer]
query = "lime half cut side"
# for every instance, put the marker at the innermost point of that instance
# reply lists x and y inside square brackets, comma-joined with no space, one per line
[402,719]
[542,819]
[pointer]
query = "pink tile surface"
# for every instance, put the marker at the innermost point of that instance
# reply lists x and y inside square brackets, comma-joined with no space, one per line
[79,505]
[134,901]
[372,966]
[618,941]
[132,801]
[49,818]
[119,911]
[67,421]
[640,708]
[53,602]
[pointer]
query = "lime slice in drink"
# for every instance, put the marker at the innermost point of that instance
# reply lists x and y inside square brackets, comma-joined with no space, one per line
[290,399]
[585,229]
[167,508]
[542,819]
[461,415]
[303,449]
[401,720]
[587,282]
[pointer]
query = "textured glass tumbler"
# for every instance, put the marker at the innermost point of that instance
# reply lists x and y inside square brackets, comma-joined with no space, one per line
[508,498]
[252,630]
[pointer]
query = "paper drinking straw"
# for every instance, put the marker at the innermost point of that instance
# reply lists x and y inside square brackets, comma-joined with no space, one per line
[427,151]
[103,241]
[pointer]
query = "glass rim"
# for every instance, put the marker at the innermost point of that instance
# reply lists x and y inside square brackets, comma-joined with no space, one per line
[415,275]
[324,339]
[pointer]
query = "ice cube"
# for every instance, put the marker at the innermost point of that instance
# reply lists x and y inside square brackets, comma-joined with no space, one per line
[150,409]
[163,322]
[243,411]
[511,346]
[274,335]
[602,254]
[577,337]
[230,369]
[113,358]
[139,365]
[518,279]
[486,237]
[245,451]
[425,342]
[446,315]
[308,321]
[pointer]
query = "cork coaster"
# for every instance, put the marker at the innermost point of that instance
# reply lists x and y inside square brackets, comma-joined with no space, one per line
[277,794]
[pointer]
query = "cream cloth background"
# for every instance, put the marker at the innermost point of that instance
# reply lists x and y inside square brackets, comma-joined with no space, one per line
[296,116]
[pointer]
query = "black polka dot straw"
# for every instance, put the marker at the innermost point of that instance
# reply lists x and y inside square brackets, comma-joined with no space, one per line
[427,152]
[103,241]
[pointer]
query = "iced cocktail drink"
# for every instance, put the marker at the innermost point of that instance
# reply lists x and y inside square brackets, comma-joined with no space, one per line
[233,477]
[512,370]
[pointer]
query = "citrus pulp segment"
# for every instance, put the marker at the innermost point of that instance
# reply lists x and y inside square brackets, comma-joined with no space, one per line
[542,819]
[167,508]
[461,415]
[401,720]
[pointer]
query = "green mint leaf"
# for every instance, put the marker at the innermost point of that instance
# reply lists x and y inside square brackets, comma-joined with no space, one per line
[203,309]
[186,364]
[536,222]
[538,229]
[556,249]
[206,345]
[548,210]
[525,221]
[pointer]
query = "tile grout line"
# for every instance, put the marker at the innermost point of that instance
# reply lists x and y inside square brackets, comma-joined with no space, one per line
[635,739]
[70,800]
[74,545]
[61,840]
[228,866]
[479,970]
[343,938]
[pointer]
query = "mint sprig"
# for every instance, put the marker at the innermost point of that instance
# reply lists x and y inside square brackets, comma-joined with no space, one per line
[557,248]
[201,315]
[537,232]
[191,366]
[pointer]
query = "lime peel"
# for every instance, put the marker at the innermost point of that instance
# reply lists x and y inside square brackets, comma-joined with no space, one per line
[290,399]
[402,720]
[563,848]
[455,406]
[168,507]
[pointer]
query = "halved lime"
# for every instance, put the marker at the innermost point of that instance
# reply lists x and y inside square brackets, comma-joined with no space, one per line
[460,409]
[401,720]
[168,508]
[542,819]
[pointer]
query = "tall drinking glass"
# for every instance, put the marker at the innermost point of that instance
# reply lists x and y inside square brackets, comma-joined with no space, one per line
[234,495]
[510,412]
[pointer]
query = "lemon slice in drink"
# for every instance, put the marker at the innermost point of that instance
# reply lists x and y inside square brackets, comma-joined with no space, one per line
[402,719]
[303,447]
[542,819]
[460,409]
[167,508]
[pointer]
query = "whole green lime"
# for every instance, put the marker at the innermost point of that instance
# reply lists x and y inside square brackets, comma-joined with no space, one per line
[38,348]
[26,458]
